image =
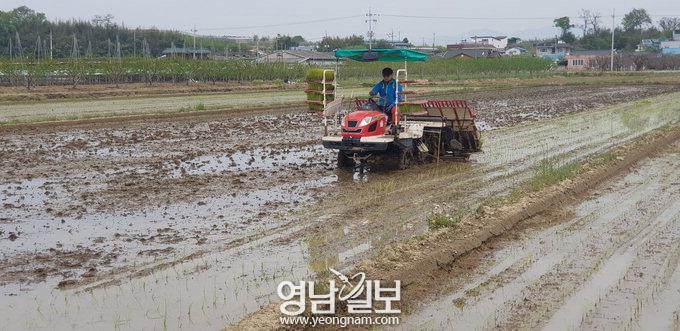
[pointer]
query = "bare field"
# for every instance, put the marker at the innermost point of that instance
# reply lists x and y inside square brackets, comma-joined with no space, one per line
[191,221]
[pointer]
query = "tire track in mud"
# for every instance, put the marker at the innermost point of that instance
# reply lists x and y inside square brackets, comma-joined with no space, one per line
[603,268]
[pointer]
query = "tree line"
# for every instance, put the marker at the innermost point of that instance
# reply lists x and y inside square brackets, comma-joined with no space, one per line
[635,26]
[25,33]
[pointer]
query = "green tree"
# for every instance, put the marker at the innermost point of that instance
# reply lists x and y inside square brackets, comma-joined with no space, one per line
[30,25]
[287,42]
[513,40]
[328,44]
[636,19]
[564,24]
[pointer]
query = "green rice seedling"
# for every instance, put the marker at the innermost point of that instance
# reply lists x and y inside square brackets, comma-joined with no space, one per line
[548,174]
[438,220]
[315,88]
[410,108]
[316,75]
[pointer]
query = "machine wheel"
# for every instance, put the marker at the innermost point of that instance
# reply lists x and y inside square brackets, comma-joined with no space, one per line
[345,161]
[405,159]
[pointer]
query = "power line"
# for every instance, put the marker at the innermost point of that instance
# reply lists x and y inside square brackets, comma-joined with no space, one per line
[469,18]
[285,24]
[371,18]
[492,18]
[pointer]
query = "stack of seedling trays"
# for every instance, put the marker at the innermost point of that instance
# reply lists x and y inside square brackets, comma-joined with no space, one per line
[316,88]
[410,106]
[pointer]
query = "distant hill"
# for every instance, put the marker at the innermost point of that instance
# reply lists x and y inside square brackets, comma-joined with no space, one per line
[96,38]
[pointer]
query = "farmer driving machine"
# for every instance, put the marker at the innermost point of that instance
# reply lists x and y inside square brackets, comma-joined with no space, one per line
[413,131]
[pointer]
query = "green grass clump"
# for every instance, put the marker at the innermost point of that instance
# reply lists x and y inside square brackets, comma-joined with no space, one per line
[438,220]
[10,122]
[548,174]
[602,159]
[187,109]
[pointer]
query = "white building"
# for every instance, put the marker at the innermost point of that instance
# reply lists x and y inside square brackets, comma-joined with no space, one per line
[514,51]
[498,41]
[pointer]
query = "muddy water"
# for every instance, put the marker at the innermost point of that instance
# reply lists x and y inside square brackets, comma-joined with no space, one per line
[206,221]
[611,262]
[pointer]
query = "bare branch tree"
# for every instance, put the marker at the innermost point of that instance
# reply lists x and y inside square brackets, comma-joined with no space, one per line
[669,24]
[591,22]
[595,22]
[584,15]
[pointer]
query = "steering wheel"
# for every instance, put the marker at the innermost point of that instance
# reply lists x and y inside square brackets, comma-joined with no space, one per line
[371,105]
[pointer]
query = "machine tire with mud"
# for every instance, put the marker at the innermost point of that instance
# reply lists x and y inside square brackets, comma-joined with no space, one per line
[405,159]
[345,161]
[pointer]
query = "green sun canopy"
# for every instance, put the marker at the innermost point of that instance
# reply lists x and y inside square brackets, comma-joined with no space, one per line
[389,55]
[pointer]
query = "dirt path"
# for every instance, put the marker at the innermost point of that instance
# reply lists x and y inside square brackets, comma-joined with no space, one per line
[219,209]
[610,262]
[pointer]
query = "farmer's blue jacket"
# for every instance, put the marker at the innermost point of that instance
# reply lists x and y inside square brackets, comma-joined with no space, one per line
[386,93]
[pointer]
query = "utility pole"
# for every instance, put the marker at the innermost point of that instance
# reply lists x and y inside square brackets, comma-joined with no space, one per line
[194,49]
[118,53]
[11,49]
[611,59]
[50,44]
[38,48]
[371,18]
[74,52]
[391,35]
[20,50]
[434,41]
[134,43]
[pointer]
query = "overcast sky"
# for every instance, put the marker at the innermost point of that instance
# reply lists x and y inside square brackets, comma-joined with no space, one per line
[247,18]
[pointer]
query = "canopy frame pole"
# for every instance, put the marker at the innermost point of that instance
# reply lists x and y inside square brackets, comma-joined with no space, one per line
[323,91]
[395,114]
